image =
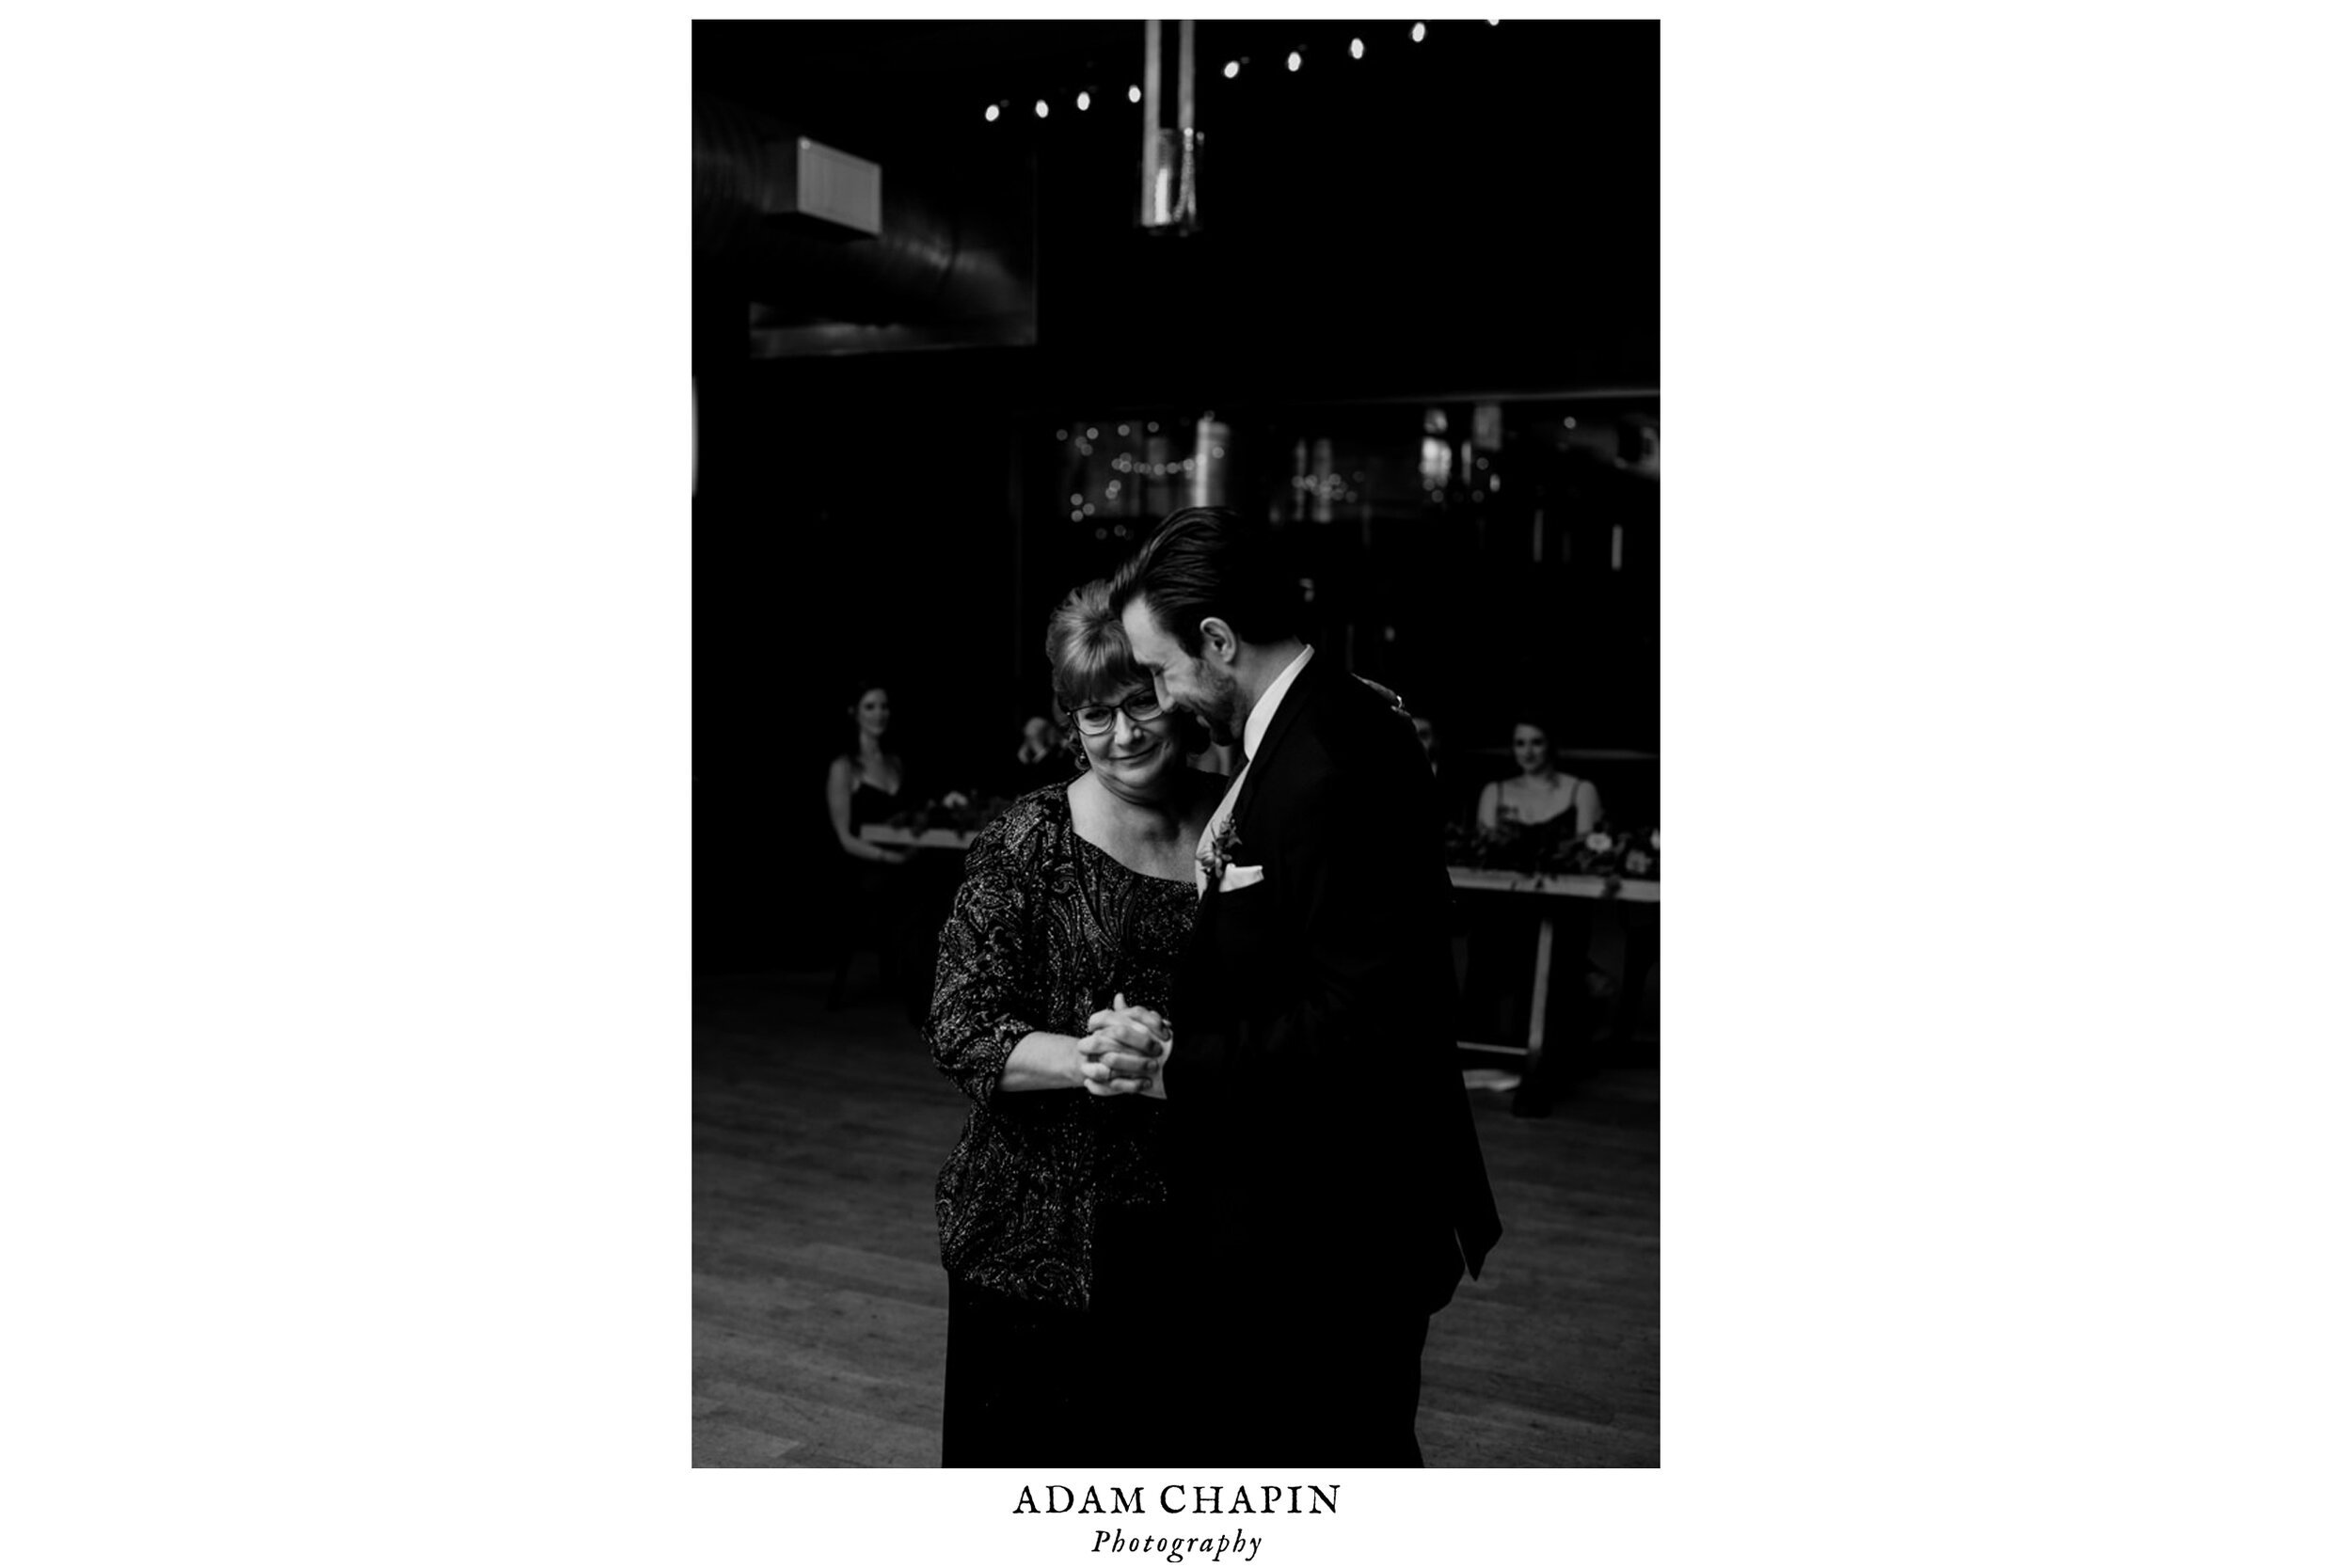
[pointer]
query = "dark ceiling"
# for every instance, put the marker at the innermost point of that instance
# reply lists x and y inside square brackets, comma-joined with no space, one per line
[1476,211]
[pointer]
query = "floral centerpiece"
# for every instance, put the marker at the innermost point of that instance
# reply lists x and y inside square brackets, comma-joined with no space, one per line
[954,811]
[1554,850]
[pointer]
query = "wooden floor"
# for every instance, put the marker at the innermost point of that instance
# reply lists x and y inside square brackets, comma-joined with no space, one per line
[820,1311]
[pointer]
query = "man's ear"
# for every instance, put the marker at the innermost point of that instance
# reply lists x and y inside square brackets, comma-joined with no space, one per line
[1217,640]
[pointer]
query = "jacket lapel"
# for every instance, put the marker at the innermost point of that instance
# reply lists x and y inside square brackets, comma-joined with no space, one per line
[1294,703]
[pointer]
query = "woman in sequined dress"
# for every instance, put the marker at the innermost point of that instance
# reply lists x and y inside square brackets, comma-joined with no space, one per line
[1079,896]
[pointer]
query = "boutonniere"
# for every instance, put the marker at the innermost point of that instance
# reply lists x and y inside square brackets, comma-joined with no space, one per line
[1223,849]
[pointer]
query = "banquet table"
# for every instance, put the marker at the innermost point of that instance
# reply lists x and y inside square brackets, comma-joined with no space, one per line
[907,838]
[1631,890]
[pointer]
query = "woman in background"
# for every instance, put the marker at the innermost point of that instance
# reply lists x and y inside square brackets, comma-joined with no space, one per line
[1078,898]
[1539,798]
[867,780]
[1539,792]
[880,896]
[1041,759]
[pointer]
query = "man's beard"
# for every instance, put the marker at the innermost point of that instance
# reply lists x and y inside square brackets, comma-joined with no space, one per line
[1220,709]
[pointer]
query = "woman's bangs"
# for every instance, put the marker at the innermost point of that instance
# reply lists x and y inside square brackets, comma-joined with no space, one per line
[1102,673]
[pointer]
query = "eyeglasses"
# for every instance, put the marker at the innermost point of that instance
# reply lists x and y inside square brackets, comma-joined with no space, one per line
[1096,719]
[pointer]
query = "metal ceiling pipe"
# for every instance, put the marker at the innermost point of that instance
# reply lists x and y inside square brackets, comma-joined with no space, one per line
[934,262]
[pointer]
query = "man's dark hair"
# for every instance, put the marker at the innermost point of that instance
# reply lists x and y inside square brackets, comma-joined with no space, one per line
[1209,561]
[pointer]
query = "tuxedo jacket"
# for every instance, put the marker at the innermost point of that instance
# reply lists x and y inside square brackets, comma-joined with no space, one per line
[1320,1136]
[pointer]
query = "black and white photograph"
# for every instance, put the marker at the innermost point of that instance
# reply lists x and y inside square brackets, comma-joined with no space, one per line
[967,869]
[1177,755]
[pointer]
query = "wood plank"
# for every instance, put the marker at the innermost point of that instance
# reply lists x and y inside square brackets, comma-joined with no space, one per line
[819,1306]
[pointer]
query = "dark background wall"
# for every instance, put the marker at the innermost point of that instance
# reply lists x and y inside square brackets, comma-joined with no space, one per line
[1469,219]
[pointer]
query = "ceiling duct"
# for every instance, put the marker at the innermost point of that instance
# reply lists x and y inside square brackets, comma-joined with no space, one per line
[940,270]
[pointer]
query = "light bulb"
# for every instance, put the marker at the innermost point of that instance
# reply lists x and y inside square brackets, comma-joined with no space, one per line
[1356,48]
[1134,94]
[1084,101]
[1041,108]
[992,112]
[1420,32]
[1294,59]
[1232,68]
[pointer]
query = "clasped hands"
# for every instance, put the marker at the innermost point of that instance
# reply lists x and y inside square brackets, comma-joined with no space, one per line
[1124,1050]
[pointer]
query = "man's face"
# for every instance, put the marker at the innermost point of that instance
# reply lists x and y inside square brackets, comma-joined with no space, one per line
[1199,686]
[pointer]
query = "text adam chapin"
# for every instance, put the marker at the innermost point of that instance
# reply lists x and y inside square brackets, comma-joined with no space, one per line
[1177,1498]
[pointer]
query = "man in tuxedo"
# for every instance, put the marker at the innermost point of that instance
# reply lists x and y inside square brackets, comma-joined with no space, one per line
[1326,1172]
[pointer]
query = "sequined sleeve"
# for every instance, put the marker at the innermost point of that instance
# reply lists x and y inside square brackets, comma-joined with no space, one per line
[980,1005]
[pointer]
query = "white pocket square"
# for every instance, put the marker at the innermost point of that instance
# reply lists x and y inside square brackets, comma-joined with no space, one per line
[1238,877]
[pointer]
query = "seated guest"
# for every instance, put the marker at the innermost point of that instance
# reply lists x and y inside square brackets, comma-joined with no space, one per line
[1078,898]
[1453,803]
[1503,940]
[1041,759]
[1539,791]
[867,782]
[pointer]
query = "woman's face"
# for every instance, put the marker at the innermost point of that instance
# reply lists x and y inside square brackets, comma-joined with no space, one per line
[872,712]
[1137,753]
[1531,748]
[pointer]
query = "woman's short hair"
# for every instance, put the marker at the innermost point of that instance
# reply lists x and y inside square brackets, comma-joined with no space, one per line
[1086,649]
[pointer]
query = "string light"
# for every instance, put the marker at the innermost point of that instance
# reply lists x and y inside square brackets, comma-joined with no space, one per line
[1296,60]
